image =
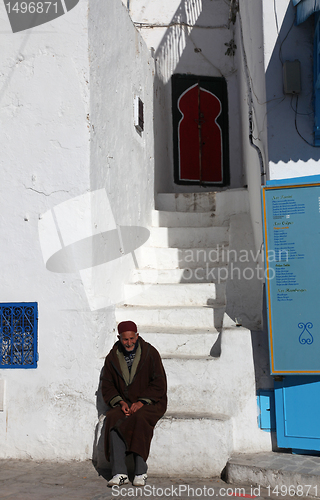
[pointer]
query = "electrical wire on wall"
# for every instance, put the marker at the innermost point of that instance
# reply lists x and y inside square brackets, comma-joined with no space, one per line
[251,106]
[277,26]
[295,109]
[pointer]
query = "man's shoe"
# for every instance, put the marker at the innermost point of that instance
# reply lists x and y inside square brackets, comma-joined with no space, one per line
[140,480]
[118,480]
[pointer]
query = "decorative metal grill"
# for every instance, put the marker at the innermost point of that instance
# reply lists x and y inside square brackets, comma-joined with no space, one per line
[18,335]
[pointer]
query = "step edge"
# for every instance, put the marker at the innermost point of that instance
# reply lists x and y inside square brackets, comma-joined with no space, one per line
[162,308]
[188,357]
[195,416]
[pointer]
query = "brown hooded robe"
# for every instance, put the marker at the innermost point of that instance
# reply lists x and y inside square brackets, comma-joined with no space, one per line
[149,382]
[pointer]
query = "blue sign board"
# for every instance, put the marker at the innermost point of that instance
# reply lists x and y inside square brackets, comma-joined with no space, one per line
[291,211]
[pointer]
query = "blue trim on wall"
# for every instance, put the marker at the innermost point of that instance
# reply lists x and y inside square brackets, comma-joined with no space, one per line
[310,179]
[267,416]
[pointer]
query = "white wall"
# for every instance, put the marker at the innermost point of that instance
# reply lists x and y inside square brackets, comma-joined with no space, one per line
[62,127]
[45,161]
[188,37]
[122,159]
[249,37]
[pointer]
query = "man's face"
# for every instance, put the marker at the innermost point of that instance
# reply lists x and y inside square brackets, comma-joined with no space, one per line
[128,340]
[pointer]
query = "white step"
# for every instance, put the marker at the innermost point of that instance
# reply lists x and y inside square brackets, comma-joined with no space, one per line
[184,317]
[222,203]
[201,446]
[188,237]
[183,219]
[180,341]
[196,294]
[206,275]
[186,202]
[197,383]
[286,473]
[175,258]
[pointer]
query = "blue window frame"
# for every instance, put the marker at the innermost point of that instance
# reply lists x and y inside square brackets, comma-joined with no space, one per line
[18,335]
[316,72]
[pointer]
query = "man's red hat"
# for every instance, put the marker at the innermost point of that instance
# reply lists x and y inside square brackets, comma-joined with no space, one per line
[127,326]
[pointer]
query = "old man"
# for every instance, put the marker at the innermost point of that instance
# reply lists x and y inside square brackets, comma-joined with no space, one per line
[134,386]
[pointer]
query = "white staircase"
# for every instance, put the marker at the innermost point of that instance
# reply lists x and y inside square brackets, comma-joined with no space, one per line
[177,298]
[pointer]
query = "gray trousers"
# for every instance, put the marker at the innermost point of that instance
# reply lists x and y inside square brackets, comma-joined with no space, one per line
[118,455]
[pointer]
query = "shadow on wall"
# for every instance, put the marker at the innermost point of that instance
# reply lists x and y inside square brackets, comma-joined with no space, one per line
[193,43]
[261,363]
[245,275]
[284,143]
[177,36]
[102,466]
[166,58]
[260,348]
[98,456]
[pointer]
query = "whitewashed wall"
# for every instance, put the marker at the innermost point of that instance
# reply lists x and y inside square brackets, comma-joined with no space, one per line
[122,159]
[251,78]
[57,186]
[50,411]
[188,36]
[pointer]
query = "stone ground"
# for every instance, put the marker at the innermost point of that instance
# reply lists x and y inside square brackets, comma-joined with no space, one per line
[40,480]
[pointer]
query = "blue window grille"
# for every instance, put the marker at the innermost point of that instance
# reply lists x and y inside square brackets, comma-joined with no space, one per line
[18,335]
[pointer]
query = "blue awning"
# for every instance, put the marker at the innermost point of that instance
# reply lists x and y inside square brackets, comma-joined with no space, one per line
[305,8]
